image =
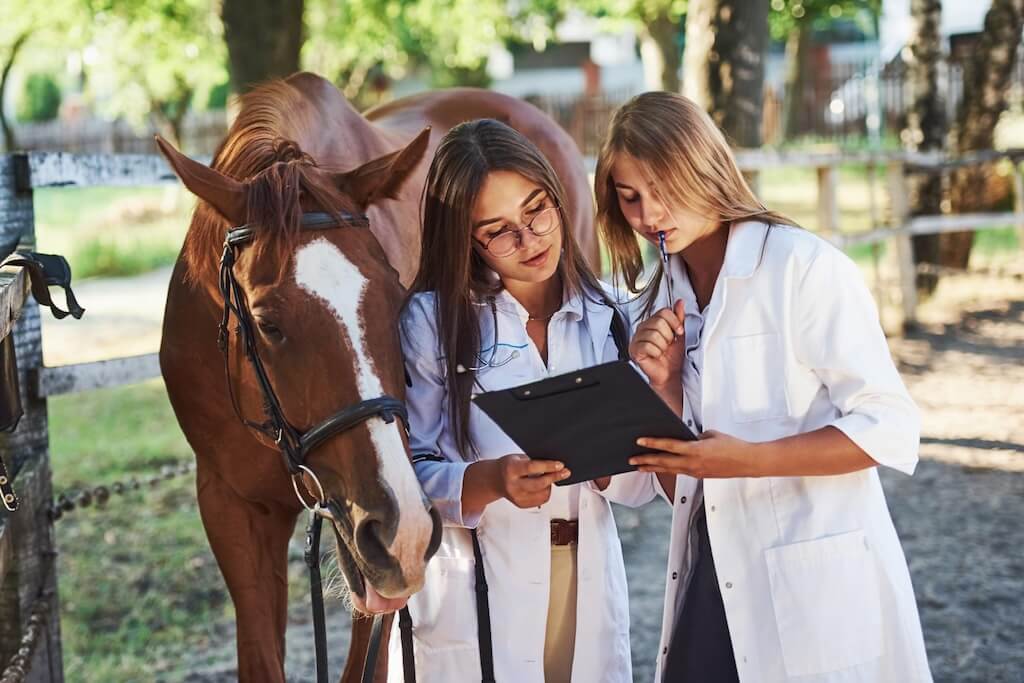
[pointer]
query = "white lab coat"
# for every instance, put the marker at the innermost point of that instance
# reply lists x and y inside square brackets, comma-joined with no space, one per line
[812,574]
[515,543]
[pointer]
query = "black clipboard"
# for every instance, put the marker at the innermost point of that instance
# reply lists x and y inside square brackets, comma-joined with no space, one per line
[589,419]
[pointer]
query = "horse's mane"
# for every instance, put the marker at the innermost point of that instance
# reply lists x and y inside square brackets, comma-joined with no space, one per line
[262,150]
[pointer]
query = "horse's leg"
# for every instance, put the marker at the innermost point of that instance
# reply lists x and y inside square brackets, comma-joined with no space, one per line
[362,626]
[250,542]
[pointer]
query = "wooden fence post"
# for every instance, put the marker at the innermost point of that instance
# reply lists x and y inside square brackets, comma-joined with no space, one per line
[828,206]
[1018,202]
[29,567]
[900,208]
[876,248]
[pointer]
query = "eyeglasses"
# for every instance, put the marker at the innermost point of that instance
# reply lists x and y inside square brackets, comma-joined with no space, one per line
[508,240]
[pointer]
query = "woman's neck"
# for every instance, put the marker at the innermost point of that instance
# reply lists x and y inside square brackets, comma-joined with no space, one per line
[540,299]
[704,259]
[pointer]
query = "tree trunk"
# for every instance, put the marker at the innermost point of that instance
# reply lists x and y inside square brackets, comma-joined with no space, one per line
[794,101]
[661,54]
[986,79]
[9,142]
[926,127]
[724,64]
[264,38]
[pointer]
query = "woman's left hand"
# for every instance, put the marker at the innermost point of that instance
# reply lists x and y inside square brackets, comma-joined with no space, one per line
[714,456]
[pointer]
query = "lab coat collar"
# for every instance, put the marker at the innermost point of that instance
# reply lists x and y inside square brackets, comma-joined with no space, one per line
[745,249]
[572,306]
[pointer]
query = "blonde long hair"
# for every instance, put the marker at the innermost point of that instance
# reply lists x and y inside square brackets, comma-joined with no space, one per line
[677,143]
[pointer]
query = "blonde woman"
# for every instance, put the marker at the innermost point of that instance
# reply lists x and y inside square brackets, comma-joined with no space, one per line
[783,560]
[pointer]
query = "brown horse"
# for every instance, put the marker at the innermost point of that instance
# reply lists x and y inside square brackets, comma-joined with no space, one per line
[324,306]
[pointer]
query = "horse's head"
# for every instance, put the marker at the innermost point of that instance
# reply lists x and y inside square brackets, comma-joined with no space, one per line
[320,305]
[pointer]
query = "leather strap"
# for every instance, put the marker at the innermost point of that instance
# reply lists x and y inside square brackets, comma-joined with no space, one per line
[620,334]
[312,555]
[408,656]
[317,595]
[373,648]
[483,616]
[47,270]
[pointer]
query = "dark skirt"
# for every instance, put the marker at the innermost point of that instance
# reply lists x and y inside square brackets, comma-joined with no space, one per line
[701,650]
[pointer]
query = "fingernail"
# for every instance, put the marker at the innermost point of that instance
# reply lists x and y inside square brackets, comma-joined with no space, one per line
[632,461]
[559,466]
[641,442]
[566,474]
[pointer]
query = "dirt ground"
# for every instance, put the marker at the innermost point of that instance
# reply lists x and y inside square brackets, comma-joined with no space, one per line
[959,516]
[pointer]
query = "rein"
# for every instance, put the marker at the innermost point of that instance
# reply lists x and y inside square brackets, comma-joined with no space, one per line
[294,444]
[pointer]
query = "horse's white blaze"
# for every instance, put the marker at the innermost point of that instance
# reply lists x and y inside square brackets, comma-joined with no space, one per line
[323,271]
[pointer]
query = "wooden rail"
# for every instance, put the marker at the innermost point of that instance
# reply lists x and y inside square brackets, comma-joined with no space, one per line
[901,226]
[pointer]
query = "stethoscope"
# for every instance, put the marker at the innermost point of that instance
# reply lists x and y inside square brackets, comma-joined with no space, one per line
[493,348]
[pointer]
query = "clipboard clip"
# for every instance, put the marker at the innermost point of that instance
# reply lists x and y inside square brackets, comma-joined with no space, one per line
[572,382]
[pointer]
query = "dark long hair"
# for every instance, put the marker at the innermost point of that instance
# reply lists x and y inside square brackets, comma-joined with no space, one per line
[451,267]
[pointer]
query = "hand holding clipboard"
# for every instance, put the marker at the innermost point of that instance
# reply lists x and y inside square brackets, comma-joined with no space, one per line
[589,420]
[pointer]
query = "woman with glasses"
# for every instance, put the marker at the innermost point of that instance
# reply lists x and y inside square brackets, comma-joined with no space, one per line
[503,296]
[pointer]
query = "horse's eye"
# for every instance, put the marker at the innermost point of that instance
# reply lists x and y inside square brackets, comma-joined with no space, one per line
[269,330]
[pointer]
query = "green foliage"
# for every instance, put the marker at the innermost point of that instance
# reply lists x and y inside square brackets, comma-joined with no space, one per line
[40,99]
[218,97]
[452,39]
[183,49]
[635,10]
[787,15]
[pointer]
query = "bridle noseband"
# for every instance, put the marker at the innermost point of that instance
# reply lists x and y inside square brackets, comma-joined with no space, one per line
[294,444]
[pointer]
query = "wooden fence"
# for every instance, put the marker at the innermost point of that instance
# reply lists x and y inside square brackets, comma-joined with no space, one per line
[29,609]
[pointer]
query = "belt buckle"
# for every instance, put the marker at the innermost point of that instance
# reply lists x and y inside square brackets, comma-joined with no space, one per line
[564,531]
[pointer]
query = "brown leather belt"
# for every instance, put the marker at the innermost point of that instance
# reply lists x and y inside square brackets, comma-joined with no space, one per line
[564,531]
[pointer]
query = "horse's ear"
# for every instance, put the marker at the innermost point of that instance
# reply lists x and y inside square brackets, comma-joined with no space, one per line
[383,177]
[222,192]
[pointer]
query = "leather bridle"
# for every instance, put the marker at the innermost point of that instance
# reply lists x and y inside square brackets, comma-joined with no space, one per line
[294,444]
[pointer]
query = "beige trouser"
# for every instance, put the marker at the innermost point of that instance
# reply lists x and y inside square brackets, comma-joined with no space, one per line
[560,641]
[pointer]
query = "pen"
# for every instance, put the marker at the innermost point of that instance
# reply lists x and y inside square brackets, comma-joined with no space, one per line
[668,271]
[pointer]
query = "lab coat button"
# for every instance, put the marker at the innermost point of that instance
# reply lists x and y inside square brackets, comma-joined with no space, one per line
[712,508]
[682,501]
[675,575]
[728,584]
[664,650]
[689,423]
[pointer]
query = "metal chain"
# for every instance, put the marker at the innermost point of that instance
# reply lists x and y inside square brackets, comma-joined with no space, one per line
[70,500]
[18,668]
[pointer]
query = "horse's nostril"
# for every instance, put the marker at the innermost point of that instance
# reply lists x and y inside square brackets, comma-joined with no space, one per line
[370,538]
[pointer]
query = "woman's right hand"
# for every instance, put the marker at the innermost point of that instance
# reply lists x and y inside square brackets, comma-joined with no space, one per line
[658,346]
[525,482]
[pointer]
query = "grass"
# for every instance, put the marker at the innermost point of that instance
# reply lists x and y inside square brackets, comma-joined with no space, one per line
[141,596]
[138,583]
[111,231]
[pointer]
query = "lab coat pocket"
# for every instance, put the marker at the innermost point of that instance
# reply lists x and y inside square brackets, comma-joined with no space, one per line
[827,603]
[757,377]
[444,612]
